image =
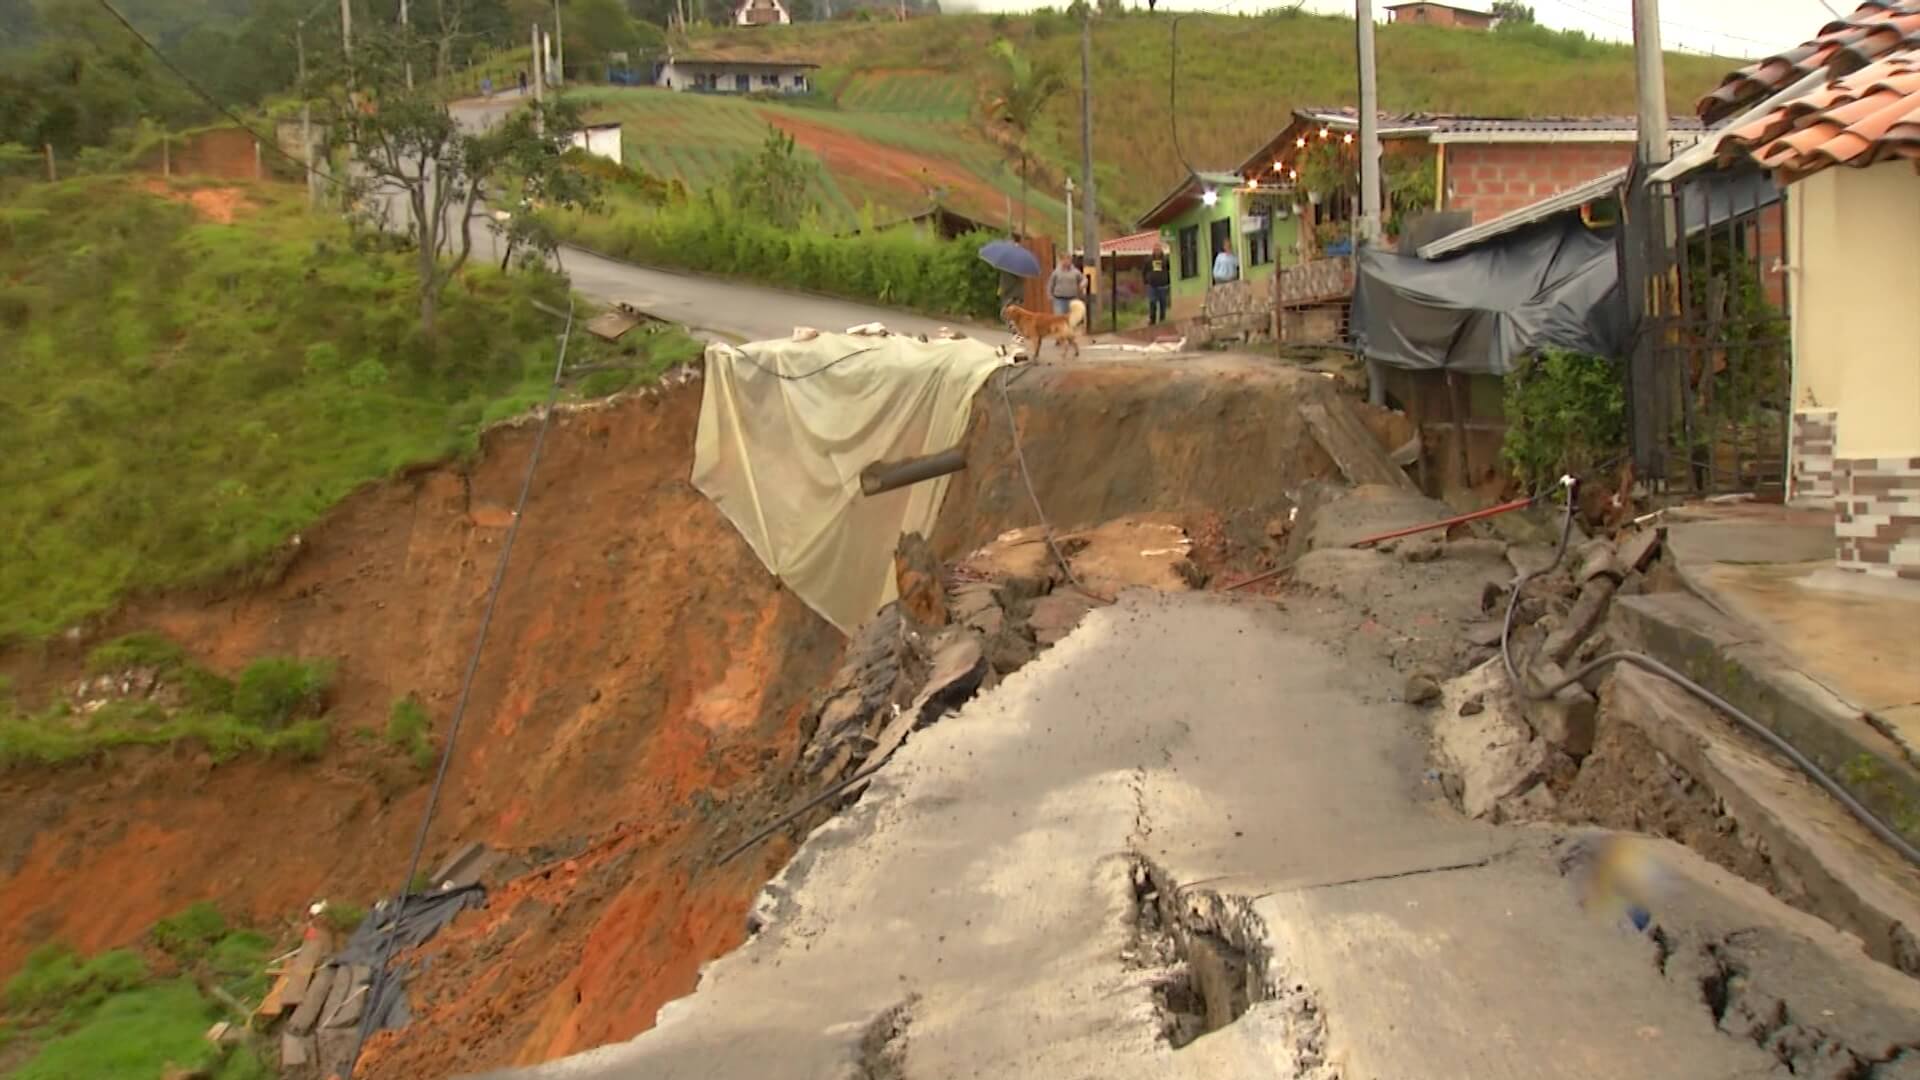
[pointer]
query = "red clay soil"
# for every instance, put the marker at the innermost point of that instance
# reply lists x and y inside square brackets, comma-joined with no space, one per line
[874,165]
[643,675]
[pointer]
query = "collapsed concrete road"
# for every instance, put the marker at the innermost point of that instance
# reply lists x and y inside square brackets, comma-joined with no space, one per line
[1194,817]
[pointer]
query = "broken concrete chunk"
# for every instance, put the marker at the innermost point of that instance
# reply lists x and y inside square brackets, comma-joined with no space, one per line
[971,598]
[1008,651]
[1600,561]
[1582,619]
[1637,549]
[1492,751]
[1535,804]
[923,598]
[959,663]
[1421,689]
[988,621]
[296,1051]
[1056,614]
[1566,720]
[1484,634]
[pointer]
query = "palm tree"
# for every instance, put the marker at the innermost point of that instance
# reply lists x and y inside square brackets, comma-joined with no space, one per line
[1018,100]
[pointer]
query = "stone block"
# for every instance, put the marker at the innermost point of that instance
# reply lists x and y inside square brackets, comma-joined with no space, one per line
[1566,721]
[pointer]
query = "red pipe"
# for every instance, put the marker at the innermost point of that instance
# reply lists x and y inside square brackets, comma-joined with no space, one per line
[1369,541]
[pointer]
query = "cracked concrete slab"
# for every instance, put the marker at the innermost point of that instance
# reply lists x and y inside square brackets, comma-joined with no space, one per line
[988,878]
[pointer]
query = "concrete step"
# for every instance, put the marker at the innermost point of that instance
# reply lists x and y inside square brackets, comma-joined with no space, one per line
[1733,661]
[1821,859]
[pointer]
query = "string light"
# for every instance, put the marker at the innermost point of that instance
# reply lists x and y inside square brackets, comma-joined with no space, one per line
[1347,138]
[1209,197]
[1324,132]
[1301,142]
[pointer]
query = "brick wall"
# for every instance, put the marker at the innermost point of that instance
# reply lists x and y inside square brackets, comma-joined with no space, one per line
[1876,520]
[1491,179]
[1441,15]
[1812,480]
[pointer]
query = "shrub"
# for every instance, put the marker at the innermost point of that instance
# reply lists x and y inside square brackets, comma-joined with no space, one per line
[275,690]
[408,729]
[55,977]
[138,650]
[187,936]
[1566,413]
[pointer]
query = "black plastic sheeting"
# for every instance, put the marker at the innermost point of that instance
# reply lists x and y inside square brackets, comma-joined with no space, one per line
[1554,283]
[425,914]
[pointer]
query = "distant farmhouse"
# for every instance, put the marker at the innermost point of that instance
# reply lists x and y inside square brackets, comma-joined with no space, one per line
[761,13]
[709,75]
[1440,15]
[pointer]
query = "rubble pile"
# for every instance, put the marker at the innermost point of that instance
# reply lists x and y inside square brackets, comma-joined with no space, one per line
[955,631]
[1510,756]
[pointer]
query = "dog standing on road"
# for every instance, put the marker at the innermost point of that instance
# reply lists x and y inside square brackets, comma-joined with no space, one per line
[1038,326]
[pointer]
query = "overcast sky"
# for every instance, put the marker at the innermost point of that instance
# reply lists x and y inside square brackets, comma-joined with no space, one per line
[1726,27]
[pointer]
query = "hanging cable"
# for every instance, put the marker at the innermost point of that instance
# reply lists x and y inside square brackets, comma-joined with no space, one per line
[380,973]
[201,93]
[1020,455]
[1765,734]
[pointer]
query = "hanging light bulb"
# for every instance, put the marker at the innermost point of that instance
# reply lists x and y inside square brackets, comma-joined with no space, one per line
[1324,132]
[1209,197]
[1293,174]
[1277,167]
[1253,182]
[1347,138]
[1301,142]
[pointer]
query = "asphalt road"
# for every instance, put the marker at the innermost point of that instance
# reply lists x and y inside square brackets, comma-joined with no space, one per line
[975,913]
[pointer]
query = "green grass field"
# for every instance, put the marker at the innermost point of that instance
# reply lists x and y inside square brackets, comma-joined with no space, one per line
[183,395]
[698,138]
[1239,79]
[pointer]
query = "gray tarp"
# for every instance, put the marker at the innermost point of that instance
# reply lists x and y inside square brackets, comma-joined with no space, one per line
[1554,283]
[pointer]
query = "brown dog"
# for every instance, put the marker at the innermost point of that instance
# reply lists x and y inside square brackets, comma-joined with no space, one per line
[1036,327]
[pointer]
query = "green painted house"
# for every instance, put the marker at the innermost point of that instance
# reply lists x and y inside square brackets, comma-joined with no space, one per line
[1209,209]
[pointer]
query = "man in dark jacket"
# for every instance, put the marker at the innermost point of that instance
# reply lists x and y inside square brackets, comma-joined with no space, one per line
[1159,284]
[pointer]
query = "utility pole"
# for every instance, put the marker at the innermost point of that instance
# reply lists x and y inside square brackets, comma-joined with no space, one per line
[1090,221]
[1369,126]
[346,29]
[1369,231]
[559,46]
[1648,242]
[1069,215]
[539,76]
[306,114]
[406,26]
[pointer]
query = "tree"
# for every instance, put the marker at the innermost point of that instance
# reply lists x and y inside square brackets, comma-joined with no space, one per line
[411,153]
[1512,13]
[598,29]
[776,184]
[1022,93]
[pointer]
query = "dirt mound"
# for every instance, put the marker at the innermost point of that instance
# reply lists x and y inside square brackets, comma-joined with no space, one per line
[642,669]
[221,204]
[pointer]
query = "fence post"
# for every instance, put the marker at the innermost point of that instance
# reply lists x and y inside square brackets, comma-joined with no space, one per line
[166,156]
[257,172]
[52,172]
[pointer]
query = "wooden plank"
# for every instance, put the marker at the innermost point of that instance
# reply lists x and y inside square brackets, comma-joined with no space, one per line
[1361,458]
[295,1050]
[308,1014]
[314,950]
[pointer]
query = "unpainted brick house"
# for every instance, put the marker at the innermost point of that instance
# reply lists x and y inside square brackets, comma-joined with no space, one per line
[1441,15]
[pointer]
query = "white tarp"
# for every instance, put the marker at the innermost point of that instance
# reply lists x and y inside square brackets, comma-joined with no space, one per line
[786,427]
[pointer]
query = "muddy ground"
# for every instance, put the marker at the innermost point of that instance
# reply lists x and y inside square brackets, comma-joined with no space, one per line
[638,710]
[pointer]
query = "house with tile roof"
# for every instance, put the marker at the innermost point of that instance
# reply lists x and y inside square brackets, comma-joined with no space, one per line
[1474,167]
[1837,121]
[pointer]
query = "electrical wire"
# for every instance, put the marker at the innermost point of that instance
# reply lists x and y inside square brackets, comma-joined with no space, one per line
[380,973]
[203,95]
[1020,454]
[1887,834]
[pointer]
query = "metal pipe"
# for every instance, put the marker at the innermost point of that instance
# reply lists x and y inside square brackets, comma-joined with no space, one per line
[883,476]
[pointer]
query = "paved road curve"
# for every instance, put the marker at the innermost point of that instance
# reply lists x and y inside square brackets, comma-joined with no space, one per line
[973,914]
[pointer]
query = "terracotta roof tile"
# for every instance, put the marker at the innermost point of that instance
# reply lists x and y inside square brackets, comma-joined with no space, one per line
[1876,29]
[1869,116]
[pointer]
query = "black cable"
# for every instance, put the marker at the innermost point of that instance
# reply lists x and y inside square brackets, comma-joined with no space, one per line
[209,98]
[804,374]
[1020,455]
[1765,734]
[380,973]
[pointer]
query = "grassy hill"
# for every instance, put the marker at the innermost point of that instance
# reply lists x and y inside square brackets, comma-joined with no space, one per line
[1239,78]
[897,143]
[195,373]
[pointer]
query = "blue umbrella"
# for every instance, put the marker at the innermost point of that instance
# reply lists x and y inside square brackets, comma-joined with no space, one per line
[1011,257]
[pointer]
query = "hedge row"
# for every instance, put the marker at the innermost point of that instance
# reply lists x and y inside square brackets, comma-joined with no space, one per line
[897,267]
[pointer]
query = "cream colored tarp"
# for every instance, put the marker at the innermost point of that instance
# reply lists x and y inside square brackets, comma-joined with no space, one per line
[785,429]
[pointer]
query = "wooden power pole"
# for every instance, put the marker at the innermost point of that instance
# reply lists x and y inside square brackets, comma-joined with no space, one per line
[1648,241]
[1090,216]
[1369,226]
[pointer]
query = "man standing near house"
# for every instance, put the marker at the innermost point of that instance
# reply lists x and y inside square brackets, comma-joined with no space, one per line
[1159,285]
[1226,266]
[1065,285]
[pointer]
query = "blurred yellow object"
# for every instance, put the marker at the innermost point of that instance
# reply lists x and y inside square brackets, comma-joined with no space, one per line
[1615,875]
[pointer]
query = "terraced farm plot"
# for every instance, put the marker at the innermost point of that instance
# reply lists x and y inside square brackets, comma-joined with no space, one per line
[924,93]
[898,158]
[693,138]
